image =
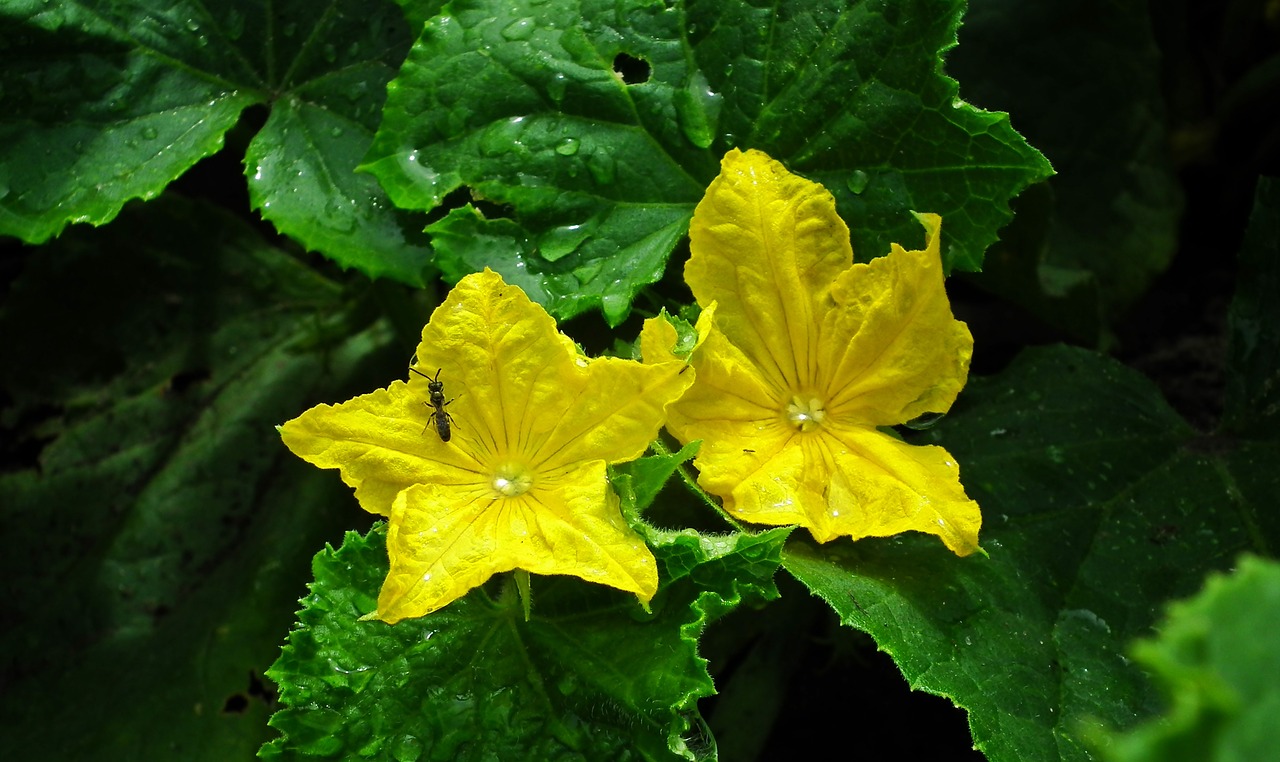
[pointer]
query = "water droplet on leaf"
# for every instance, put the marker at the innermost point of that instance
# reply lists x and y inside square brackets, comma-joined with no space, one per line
[567,147]
[857,181]
[520,29]
[698,110]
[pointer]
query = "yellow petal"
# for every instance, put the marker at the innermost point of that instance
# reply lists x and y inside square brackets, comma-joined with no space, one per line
[442,543]
[894,349]
[617,408]
[862,484]
[658,340]
[730,405]
[378,444]
[809,354]
[503,364]
[766,246]
[522,392]
[658,337]
[882,486]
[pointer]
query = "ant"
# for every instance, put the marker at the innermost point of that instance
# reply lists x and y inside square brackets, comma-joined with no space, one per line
[441,418]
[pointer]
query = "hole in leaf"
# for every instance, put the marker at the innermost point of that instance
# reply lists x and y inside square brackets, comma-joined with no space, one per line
[236,704]
[259,689]
[632,70]
[183,381]
[464,195]
[492,210]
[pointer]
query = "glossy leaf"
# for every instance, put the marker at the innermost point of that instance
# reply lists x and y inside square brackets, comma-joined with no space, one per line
[1101,504]
[155,533]
[108,101]
[588,677]
[1216,657]
[601,124]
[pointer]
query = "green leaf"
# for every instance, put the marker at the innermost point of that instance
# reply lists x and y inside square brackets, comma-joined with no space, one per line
[521,103]
[108,101]
[1216,656]
[648,475]
[155,532]
[590,676]
[1088,247]
[1100,504]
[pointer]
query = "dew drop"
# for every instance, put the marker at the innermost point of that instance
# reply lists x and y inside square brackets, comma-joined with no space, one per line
[520,29]
[567,147]
[149,133]
[556,87]
[857,181]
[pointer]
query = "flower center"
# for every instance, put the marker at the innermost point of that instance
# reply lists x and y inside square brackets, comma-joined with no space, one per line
[805,412]
[511,480]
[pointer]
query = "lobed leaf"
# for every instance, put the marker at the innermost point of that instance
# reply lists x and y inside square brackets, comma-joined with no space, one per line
[109,101]
[1100,504]
[154,530]
[601,124]
[590,676]
[1216,658]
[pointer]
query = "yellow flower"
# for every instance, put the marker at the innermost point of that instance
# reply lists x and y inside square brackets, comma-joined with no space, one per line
[808,355]
[521,483]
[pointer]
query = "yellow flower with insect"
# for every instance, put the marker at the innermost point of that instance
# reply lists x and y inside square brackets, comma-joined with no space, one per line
[521,482]
[808,356]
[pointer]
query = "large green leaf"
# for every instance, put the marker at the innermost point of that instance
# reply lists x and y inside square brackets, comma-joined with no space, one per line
[155,532]
[589,676]
[600,124]
[111,100]
[1088,245]
[1100,503]
[1217,657]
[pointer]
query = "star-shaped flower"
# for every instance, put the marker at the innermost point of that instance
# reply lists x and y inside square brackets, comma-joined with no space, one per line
[521,483]
[809,355]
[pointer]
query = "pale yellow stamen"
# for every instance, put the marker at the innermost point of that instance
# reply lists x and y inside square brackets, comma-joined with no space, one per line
[805,412]
[512,480]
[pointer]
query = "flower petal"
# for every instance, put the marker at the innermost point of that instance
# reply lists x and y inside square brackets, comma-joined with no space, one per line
[863,484]
[524,392]
[882,486]
[443,542]
[894,349]
[378,444]
[766,245]
[503,364]
[618,409]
